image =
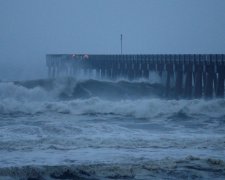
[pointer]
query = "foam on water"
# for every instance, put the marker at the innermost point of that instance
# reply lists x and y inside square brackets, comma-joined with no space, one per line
[139,108]
[103,129]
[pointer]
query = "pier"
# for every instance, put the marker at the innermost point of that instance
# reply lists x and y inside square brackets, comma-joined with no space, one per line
[185,75]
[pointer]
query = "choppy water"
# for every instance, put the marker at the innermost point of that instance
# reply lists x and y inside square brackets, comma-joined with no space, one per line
[90,129]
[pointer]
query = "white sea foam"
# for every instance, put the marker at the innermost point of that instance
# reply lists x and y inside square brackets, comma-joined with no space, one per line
[37,127]
[16,92]
[15,98]
[37,101]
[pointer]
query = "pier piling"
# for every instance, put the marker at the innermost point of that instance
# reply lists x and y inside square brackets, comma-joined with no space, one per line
[186,75]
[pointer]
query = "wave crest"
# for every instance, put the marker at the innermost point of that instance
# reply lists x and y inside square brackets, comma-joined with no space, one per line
[134,99]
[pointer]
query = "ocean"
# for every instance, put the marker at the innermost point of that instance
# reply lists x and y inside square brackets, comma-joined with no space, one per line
[100,129]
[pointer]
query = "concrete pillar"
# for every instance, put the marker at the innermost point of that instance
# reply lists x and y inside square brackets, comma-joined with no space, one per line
[198,66]
[188,67]
[114,68]
[152,66]
[49,71]
[169,71]
[98,73]
[129,68]
[209,67]
[102,66]
[160,68]
[122,67]
[146,69]
[53,71]
[179,78]
[134,72]
[119,70]
[220,82]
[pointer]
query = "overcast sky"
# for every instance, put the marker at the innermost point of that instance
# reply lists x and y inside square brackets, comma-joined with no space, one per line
[31,28]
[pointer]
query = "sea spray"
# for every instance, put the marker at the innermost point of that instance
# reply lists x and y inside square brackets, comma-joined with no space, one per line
[96,129]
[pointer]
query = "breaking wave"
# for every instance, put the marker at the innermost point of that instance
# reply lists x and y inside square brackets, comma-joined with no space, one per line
[92,129]
[134,99]
[69,88]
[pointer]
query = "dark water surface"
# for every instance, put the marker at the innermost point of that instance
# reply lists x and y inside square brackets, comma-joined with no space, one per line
[90,129]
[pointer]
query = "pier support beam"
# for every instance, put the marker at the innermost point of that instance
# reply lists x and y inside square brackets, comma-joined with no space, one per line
[188,80]
[220,82]
[179,78]
[49,71]
[209,68]
[169,70]
[198,79]
[160,67]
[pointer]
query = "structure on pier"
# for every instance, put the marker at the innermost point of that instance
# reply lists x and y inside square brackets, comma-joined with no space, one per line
[187,75]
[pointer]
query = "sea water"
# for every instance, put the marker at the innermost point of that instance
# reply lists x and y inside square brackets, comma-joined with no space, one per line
[99,129]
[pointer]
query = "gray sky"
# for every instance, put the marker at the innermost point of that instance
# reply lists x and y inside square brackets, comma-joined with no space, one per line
[31,28]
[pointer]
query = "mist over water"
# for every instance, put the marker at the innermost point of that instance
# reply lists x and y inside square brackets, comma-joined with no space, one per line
[83,127]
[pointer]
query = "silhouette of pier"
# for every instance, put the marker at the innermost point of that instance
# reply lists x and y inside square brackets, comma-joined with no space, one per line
[186,75]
